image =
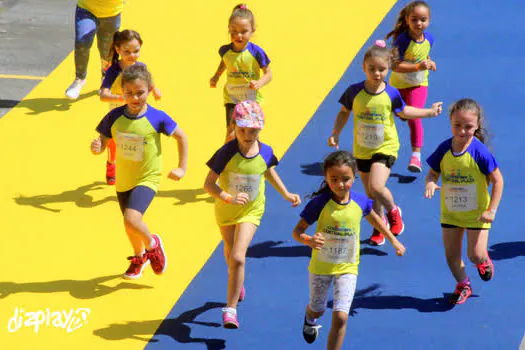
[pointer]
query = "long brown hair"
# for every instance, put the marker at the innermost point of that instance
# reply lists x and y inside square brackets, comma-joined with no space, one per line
[401,22]
[468,104]
[120,38]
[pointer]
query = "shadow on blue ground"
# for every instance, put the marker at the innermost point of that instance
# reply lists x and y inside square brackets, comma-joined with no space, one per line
[507,250]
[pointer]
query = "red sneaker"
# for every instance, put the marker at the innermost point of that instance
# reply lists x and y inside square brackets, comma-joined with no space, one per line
[138,263]
[396,221]
[486,269]
[461,294]
[110,173]
[415,165]
[377,237]
[156,255]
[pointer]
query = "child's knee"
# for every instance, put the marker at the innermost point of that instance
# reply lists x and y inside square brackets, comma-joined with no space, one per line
[236,260]
[132,219]
[339,319]
[314,314]
[476,258]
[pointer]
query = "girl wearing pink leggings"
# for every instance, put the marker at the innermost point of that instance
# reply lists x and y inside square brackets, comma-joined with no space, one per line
[410,71]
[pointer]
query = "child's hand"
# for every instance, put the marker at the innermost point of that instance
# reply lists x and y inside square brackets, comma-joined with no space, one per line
[487,217]
[293,198]
[176,174]
[157,94]
[425,65]
[333,141]
[430,188]
[436,108]
[213,81]
[400,248]
[316,241]
[96,146]
[255,85]
[432,65]
[240,198]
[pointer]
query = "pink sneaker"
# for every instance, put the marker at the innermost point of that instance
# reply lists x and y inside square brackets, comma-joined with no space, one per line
[415,165]
[243,294]
[396,221]
[229,320]
[156,255]
[137,265]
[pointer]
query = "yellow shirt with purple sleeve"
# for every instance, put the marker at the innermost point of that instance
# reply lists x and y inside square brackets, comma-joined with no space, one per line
[412,51]
[464,190]
[238,173]
[340,224]
[241,68]
[139,151]
[113,81]
[102,8]
[374,127]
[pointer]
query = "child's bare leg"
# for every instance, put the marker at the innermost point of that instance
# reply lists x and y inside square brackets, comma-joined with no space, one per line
[243,236]
[452,241]
[477,245]
[338,330]
[137,231]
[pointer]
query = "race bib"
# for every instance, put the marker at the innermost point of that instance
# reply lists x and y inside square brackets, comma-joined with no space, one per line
[370,135]
[338,249]
[247,183]
[414,77]
[130,146]
[460,198]
[240,92]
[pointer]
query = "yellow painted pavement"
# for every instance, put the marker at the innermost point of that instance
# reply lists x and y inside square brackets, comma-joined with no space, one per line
[62,242]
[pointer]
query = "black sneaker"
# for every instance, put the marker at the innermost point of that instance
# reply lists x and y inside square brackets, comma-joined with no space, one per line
[486,269]
[461,294]
[310,332]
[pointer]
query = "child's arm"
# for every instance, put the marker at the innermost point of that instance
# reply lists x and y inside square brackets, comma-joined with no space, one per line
[210,186]
[431,183]
[408,67]
[339,124]
[379,225]
[156,92]
[182,147]
[497,191]
[99,144]
[274,179]
[410,112]
[107,96]
[315,242]
[265,79]
[218,73]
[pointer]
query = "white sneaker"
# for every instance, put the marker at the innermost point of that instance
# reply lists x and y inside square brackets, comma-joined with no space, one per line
[73,91]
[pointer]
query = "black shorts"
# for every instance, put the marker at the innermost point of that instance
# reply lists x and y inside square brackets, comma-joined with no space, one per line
[364,165]
[468,228]
[229,113]
[138,198]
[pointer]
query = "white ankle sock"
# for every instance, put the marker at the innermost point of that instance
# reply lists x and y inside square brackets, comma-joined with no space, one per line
[416,154]
[311,321]
[229,310]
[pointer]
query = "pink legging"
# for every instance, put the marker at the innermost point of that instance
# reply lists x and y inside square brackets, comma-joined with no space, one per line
[416,97]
